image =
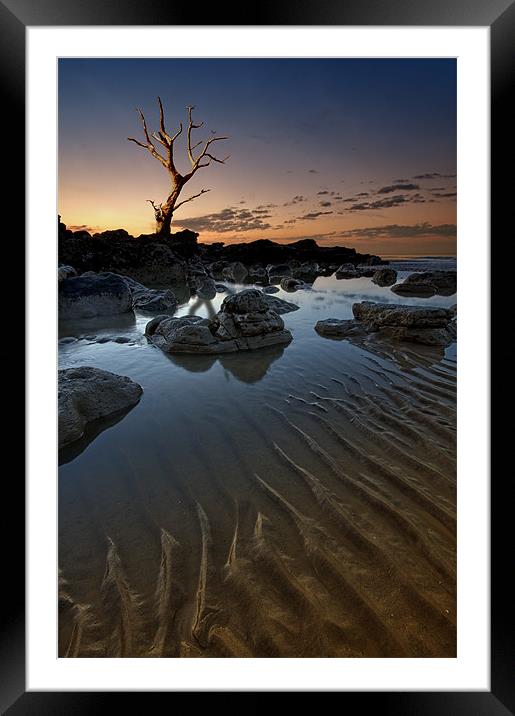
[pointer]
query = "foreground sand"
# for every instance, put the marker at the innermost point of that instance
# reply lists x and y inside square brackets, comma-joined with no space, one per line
[345,546]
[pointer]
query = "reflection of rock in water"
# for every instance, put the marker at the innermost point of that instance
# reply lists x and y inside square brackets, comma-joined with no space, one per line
[403,354]
[88,326]
[248,367]
[91,431]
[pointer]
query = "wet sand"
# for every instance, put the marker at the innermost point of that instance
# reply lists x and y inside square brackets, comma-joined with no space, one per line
[298,502]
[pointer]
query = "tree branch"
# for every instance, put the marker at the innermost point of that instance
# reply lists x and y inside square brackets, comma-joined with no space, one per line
[203,191]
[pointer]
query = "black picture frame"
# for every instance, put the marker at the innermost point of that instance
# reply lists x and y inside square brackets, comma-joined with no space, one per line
[499,15]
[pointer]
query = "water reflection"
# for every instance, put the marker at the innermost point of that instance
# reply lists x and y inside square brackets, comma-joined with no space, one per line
[89,326]
[246,366]
[92,431]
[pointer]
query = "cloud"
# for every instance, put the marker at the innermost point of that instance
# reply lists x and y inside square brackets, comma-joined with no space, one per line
[325,203]
[296,200]
[434,175]
[399,231]
[392,201]
[395,187]
[230,219]
[313,215]
[321,193]
[444,195]
[312,171]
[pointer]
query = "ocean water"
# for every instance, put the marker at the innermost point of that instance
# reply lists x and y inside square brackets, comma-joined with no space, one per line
[221,441]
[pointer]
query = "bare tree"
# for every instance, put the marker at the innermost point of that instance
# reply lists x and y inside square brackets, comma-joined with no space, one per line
[165,211]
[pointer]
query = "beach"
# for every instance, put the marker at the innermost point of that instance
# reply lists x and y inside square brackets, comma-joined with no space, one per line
[292,501]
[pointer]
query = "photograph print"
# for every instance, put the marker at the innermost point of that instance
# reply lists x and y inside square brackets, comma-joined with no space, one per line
[257,358]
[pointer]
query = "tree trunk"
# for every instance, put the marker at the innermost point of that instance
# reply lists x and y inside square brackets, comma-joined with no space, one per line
[164,213]
[164,223]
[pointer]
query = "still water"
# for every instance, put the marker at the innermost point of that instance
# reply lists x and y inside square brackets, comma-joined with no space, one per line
[198,515]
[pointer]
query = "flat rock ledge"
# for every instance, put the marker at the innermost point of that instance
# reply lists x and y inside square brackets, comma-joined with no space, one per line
[244,322]
[427,284]
[429,326]
[86,394]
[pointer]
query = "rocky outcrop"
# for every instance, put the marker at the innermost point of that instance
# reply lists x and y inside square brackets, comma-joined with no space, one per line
[384,277]
[444,282]
[150,300]
[235,272]
[148,259]
[428,283]
[90,295]
[420,324]
[86,394]
[339,328]
[244,322]
[277,271]
[279,305]
[415,290]
[207,289]
[347,271]
[430,326]
[65,272]
[270,289]
[290,284]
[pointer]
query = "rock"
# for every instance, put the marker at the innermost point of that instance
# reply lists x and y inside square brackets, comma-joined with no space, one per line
[207,289]
[65,272]
[384,277]
[444,282]
[416,290]
[86,394]
[279,305]
[244,322]
[235,272]
[278,270]
[150,300]
[220,288]
[366,272]
[347,271]
[378,315]
[270,289]
[339,328]
[430,326]
[290,284]
[103,294]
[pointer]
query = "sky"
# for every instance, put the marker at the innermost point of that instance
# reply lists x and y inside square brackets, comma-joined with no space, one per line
[351,152]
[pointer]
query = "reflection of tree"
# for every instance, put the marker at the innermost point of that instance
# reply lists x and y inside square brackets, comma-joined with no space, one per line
[202,303]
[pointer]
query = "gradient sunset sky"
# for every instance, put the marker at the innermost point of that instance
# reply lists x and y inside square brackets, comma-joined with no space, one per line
[351,152]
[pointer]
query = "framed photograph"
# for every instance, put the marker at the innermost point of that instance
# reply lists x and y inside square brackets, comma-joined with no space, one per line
[258,449]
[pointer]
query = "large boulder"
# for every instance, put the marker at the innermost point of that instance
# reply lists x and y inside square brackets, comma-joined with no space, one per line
[414,290]
[244,322]
[279,305]
[207,288]
[379,315]
[444,282]
[150,300]
[234,272]
[65,272]
[277,271]
[87,296]
[339,328]
[347,271]
[86,394]
[430,326]
[384,277]
[290,284]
